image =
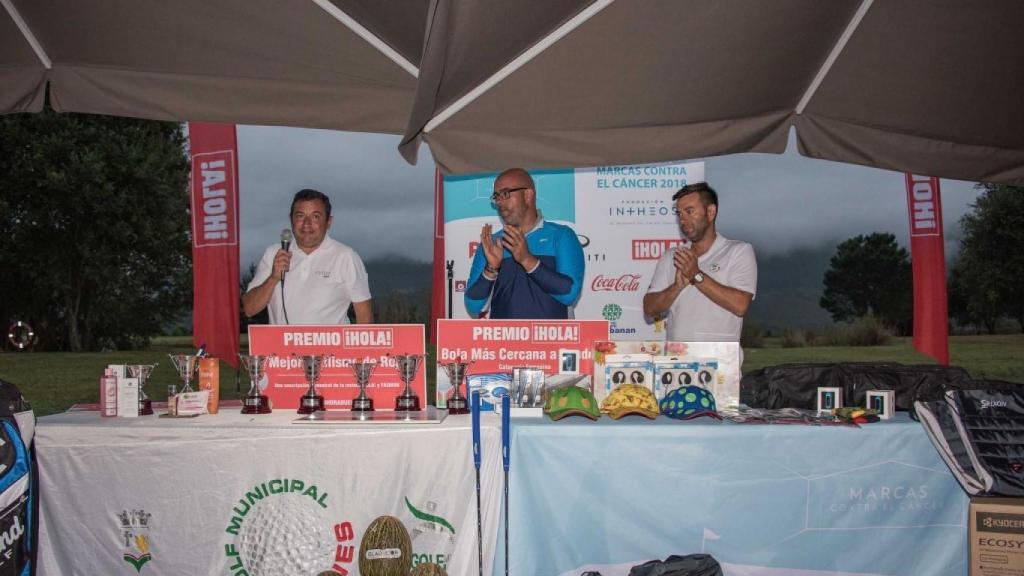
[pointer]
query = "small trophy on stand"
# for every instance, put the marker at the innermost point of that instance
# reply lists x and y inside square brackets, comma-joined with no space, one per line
[186,365]
[311,401]
[362,370]
[408,364]
[457,403]
[142,372]
[255,367]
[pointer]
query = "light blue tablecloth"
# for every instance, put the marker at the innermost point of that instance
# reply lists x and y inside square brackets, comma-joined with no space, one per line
[763,499]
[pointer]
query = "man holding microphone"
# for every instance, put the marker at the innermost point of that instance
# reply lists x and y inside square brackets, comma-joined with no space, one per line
[314,279]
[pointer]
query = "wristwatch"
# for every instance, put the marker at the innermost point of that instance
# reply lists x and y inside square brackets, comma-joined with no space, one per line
[698,277]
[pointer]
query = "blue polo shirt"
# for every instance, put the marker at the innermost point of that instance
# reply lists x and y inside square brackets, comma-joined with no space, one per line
[547,293]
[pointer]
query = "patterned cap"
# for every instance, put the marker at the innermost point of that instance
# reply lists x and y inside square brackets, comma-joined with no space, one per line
[570,400]
[630,399]
[689,402]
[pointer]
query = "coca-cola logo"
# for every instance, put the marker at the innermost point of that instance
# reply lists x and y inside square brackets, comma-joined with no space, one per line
[624,283]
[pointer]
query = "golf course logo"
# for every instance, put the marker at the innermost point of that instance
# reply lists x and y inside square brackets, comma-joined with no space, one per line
[433,537]
[282,526]
[135,534]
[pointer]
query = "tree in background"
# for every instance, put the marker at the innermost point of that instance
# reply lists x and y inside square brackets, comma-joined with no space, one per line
[988,275]
[870,275]
[95,250]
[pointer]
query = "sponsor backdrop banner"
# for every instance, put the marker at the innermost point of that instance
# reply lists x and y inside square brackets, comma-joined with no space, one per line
[214,197]
[931,320]
[286,382]
[501,345]
[622,214]
[238,495]
[763,500]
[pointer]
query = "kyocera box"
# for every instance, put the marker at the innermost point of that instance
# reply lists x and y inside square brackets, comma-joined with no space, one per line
[996,535]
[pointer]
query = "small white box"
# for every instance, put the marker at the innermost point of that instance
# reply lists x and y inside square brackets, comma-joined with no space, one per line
[884,401]
[626,369]
[829,399]
[128,398]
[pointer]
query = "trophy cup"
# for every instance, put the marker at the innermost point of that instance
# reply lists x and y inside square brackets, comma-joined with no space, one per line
[142,372]
[362,370]
[186,366]
[456,371]
[255,367]
[408,364]
[311,401]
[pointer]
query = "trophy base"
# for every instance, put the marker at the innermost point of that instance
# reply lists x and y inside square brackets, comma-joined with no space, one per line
[145,407]
[310,404]
[458,405]
[407,403]
[256,405]
[362,405]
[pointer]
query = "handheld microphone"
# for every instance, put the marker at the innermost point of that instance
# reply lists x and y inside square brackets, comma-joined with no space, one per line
[286,243]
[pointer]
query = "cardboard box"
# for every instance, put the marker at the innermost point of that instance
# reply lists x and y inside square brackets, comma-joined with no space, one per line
[720,361]
[128,398]
[996,536]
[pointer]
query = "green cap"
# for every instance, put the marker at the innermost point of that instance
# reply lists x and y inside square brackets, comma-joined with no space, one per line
[570,400]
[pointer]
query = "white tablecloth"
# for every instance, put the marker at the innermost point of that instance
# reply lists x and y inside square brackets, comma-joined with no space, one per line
[235,494]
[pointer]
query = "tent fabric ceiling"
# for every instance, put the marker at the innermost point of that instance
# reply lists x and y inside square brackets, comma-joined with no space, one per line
[932,88]
[929,87]
[238,61]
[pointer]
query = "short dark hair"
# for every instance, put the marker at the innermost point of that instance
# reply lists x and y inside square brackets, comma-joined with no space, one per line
[708,196]
[307,194]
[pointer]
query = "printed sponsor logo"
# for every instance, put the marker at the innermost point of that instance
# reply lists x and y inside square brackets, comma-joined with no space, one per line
[924,214]
[460,285]
[368,338]
[1000,522]
[623,283]
[993,403]
[433,537]
[214,213]
[652,249]
[611,312]
[134,526]
[281,527]
[584,240]
[472,248]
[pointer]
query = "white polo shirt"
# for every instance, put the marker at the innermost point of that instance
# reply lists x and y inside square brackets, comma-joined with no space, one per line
[693,317]
[319,287]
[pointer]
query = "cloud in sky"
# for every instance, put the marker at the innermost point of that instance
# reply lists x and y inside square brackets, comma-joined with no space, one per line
[383,205]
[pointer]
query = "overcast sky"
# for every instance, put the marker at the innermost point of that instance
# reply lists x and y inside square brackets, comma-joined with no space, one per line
[383,205]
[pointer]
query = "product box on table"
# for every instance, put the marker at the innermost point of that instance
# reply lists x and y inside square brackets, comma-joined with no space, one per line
[603,349]
[996,536]
[719,369]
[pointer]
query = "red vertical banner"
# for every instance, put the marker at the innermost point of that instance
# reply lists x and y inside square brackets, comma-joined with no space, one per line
[931,319]
[214,195]
[438,297]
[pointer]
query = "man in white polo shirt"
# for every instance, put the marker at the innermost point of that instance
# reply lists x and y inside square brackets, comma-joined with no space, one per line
[705,285]
[316,279]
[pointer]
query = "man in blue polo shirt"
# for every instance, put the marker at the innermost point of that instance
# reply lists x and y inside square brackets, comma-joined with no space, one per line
[531,268]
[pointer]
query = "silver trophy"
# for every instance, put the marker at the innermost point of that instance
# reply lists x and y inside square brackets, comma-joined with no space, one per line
[255,366]
[186,365]
[311,401]
[456,371]
[362,370]
[142,372]
[408,365]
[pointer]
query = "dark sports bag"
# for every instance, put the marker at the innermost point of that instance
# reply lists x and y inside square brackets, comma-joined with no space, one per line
[795,385]
[689,565]
[19,504]
[993,423]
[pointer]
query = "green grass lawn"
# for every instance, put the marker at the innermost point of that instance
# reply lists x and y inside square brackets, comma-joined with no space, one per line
[53,381]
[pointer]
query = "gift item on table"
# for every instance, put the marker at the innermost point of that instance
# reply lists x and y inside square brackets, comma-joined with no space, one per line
[627,369]
[527,386]
[829,398]
[882,401]
[721,361]
[671,372]
[491,386]
[605,348]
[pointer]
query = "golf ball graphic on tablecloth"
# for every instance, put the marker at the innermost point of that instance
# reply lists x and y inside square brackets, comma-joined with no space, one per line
[284,536]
